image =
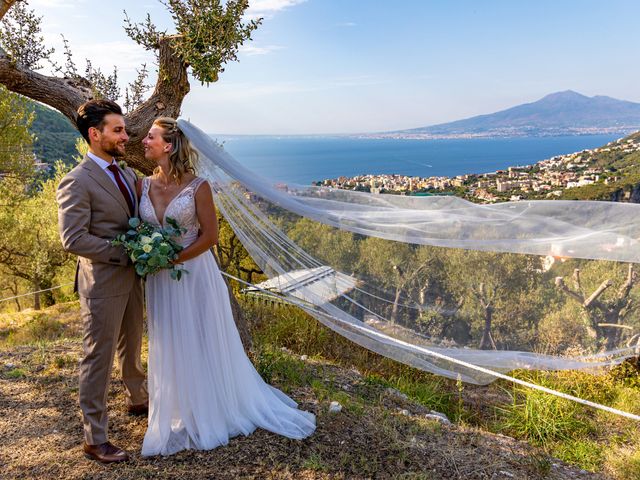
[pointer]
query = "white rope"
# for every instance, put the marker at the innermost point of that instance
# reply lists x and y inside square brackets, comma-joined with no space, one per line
[32,293]
[441,356]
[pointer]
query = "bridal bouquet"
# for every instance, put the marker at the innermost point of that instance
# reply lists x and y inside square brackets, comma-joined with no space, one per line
[150,248]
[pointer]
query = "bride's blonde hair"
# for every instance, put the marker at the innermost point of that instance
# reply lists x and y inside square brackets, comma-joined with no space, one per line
[182,153]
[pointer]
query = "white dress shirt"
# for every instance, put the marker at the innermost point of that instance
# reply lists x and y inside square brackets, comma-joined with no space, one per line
[103,164]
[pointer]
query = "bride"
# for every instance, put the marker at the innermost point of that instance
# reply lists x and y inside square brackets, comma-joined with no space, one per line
[202,387]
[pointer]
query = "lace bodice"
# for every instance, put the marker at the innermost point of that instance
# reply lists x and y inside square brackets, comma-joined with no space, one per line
[182,208]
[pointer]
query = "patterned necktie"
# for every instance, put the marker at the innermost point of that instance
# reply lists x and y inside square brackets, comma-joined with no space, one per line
[125,192]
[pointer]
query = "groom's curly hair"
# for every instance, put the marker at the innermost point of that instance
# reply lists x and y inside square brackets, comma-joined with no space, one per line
[92,113]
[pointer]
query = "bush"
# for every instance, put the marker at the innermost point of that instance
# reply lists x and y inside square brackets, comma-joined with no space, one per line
[560,331]
[40,328]
[276,366]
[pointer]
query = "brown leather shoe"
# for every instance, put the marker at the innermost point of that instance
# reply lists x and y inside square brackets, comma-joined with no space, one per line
[142,409]
[105,453]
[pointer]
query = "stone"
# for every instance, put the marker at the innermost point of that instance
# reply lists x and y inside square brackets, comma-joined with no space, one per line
[438,417]
[335,407]
[396,393]
[442,415]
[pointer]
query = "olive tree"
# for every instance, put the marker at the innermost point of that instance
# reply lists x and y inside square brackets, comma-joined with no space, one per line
[207,35]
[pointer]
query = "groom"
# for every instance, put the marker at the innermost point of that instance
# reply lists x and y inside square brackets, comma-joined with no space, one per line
[95,201]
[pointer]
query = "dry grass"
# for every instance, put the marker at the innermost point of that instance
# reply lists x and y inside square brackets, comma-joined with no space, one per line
[40,429]
[31,326]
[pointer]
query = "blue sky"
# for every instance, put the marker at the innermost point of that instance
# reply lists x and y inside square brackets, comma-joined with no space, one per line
[348,66]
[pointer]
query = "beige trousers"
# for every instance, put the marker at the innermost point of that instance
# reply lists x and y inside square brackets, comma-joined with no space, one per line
[110,324]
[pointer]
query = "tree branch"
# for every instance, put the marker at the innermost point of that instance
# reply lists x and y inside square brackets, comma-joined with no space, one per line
[67,94]
[562,286]
[5,5]
[603,286]
[626,287]
[166,100]
[576,280]
[63,94]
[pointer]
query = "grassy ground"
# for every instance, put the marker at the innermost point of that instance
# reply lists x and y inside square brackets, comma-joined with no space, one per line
[381,431]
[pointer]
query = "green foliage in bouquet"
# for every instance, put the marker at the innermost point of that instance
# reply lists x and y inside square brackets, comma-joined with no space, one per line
[152,249]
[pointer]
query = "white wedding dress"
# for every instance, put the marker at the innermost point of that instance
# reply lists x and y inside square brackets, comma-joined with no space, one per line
[203,389]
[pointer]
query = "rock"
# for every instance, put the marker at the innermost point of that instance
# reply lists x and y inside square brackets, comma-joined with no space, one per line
[506,474]
[346,387]
[396,393]
[303,357]
[335,407]
[444,417]
[404,412]
[438,417]
[9,366]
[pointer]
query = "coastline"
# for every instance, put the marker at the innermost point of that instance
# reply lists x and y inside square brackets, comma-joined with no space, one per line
[548,178]
[303,160]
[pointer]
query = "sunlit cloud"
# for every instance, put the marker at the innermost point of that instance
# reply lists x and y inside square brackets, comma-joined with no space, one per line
[266,8]
[255,50]
[346,24]
[126,56]
[54,3]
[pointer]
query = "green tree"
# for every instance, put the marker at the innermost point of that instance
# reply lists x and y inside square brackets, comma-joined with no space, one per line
[336,248]
[11,286]
[604,290]
[404,270]
[30,247]
[16,157]
[497,293]
[233,257]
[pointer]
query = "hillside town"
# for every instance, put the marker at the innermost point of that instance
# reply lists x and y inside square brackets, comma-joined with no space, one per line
[545,179]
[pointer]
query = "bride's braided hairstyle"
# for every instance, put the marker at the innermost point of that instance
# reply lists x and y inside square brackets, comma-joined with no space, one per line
[182,153]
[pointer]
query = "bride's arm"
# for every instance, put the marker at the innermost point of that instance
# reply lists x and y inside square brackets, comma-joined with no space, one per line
[206,211]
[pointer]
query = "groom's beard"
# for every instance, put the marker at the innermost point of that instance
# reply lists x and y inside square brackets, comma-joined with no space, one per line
[115,153]
[116,150]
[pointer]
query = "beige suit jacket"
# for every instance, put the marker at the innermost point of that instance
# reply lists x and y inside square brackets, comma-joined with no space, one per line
[91,212]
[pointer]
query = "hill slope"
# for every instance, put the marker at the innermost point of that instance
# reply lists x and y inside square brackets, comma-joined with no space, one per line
[55,136]
[379,433]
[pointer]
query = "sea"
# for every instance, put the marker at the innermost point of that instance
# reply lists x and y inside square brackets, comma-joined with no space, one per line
[306,159]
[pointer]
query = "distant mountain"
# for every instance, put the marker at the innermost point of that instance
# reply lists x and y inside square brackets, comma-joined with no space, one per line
[55,136]
[562,113]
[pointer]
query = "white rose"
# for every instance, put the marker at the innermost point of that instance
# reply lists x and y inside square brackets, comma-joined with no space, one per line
[147,248]
[156,235]
[144,240]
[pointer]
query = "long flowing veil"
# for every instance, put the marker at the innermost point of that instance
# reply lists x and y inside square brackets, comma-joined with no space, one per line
[364,265]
